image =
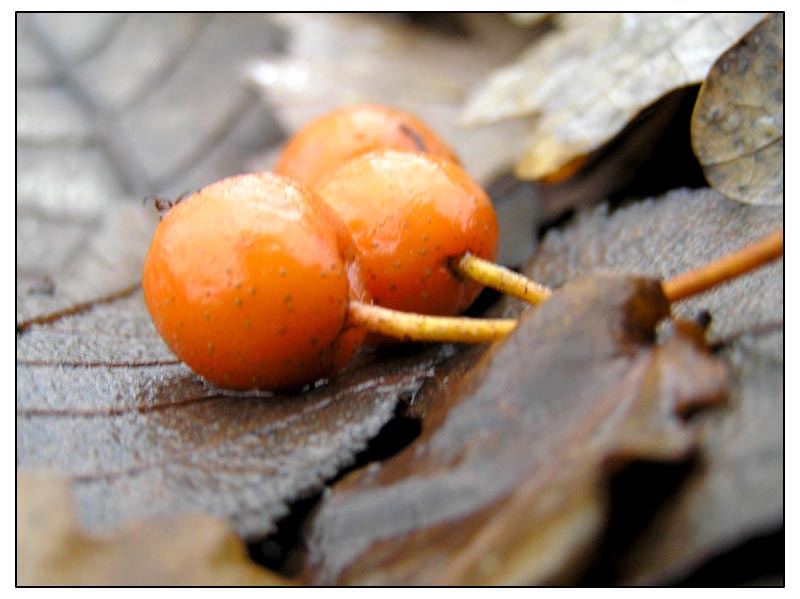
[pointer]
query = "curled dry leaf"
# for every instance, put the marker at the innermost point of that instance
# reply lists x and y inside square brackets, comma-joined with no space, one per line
[737,126]
[101,401]
[336,59]
[504,485]
[53,550]
[588,79]
[733,493]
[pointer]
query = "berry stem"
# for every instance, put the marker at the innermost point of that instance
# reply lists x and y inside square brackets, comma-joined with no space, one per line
[458,329]
[500,278]
[421,327]
[728,267]
[680,287]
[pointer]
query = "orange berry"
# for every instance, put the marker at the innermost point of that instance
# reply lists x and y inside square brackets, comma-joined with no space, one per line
[409,213]
[249,280]
[334,138]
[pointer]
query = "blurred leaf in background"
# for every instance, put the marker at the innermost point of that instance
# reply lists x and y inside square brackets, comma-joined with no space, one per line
[737,128]
[53,550]
[587,79]
[345,58]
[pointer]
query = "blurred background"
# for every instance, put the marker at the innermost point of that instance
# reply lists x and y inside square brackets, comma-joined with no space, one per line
[113,106]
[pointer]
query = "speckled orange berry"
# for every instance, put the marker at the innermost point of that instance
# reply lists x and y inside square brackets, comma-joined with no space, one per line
[409,213]
[334,138]
[248,281]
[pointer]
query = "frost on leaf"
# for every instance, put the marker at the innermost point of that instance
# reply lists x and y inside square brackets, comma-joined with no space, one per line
[101,401]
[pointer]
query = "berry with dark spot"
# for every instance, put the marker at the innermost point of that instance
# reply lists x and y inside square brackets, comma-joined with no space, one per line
[329,141]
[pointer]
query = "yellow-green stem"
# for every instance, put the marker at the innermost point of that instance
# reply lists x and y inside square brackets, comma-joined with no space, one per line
[500,278]
[421,327]
[458,329]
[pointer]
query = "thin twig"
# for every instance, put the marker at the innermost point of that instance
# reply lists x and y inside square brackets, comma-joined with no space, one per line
[728,267]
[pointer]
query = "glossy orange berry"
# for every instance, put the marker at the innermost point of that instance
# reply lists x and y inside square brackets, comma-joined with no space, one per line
[249,280]
[334,138]
[409,213]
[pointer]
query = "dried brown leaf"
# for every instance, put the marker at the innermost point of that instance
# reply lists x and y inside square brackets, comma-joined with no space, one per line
[589,78]
[734,491]
[737,126]
[102,401]
[335,59]
[504,485]
[53,550]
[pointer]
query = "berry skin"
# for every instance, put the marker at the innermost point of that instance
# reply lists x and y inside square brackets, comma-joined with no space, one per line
[249,280]
[334,138]
[409,213]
